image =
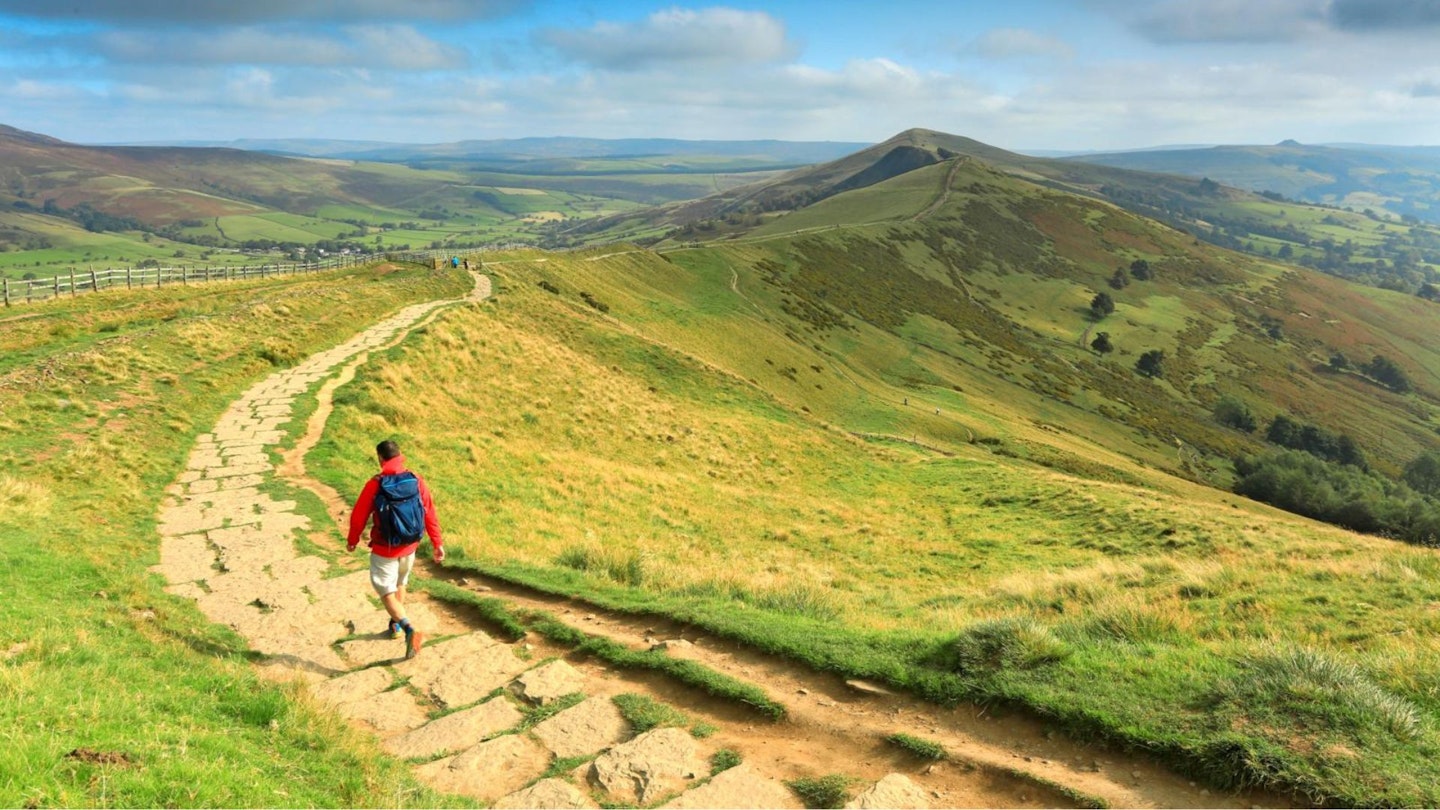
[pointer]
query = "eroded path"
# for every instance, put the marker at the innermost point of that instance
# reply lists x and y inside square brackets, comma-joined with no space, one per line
[465,710]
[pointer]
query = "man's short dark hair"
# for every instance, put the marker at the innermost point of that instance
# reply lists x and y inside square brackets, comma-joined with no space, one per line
[387,450]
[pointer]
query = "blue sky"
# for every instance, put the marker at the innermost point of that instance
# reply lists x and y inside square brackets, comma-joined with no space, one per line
[1021,74]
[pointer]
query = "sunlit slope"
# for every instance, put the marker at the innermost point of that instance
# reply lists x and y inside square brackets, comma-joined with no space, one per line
[981,281]
[676,433]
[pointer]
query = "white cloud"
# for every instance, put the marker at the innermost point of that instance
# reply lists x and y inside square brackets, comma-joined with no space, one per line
[1011,43]
[1173,21]
[392,47]
[211,12]
[30,90]
[676,37]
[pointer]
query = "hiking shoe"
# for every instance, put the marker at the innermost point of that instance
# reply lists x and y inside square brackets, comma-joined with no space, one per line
[393,630]
[413,640]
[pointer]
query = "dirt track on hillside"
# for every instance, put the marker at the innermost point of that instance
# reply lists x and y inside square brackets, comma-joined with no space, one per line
[217,529]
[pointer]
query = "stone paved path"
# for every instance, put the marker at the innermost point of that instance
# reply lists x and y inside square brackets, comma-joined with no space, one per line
[458,709]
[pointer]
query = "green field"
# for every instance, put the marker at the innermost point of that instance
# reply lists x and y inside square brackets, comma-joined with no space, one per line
[101,398]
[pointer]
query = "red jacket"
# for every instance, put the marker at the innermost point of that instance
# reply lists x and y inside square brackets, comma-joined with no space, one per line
[364,511]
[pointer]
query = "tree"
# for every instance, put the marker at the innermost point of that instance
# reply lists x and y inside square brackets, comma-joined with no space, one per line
[1101,305]
[1120,280]
[1283,431]
[1339,362]
[1140,269]
[1235,413]
[1151,363]
[1384,371]
[1423,474]
[1102,344]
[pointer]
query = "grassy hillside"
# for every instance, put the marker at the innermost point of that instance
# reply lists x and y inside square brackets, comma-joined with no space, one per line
[116,693]
[881,446]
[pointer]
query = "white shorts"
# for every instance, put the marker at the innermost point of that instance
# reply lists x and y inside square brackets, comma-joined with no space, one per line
[390,574]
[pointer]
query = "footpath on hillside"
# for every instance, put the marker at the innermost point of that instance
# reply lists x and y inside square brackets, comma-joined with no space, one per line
[525,724]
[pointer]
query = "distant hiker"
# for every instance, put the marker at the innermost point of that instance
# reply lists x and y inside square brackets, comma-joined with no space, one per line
[402,511]
[467,264]
[454,261]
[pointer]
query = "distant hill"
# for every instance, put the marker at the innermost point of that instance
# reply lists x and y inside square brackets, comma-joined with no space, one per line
[1402,256]
[157,202]
[761,152]
[1401,180]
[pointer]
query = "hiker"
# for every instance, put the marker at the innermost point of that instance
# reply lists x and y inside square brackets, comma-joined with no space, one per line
[467,264]
[402,511]
[455,261]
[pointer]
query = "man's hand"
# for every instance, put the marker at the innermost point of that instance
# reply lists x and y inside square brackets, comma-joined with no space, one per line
[350,546]
[440,554]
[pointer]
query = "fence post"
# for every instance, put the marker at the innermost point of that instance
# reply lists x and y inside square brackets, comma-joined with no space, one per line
[159,279]
[7,291]
[72,282]
[94,281]
[128,280]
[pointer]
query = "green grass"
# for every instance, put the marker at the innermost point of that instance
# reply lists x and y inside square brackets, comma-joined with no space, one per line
[917,746]
[831,790]
[724,759]
[690,454]
[492,611]
[104,660]
[644,713]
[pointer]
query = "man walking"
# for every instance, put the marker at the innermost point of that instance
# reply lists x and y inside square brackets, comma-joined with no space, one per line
[402,512]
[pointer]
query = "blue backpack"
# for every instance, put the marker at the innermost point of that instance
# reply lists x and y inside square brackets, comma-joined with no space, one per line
[398,510]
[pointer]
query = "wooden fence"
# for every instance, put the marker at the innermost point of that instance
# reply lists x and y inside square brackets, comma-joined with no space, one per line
[84,281]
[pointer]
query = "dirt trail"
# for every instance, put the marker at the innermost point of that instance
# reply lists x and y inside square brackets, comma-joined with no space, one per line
[440,710]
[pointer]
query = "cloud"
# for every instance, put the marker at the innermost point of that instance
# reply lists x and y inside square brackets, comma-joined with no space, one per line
[1013,43]
[30,90]
[1426,90]
[1176,21]
[378,46]
[1384,15]
[676,36]
[206,12]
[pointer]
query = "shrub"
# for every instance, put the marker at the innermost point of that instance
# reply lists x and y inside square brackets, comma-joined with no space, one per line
[1311,689]
[724,760]
[1423,474]
[1151,363]
[1314,440]
[1101,305]
[1102,344]
[832,790]
[626,568]
[1346,496]
[1384,371]
[1234,413]
[1009,643]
